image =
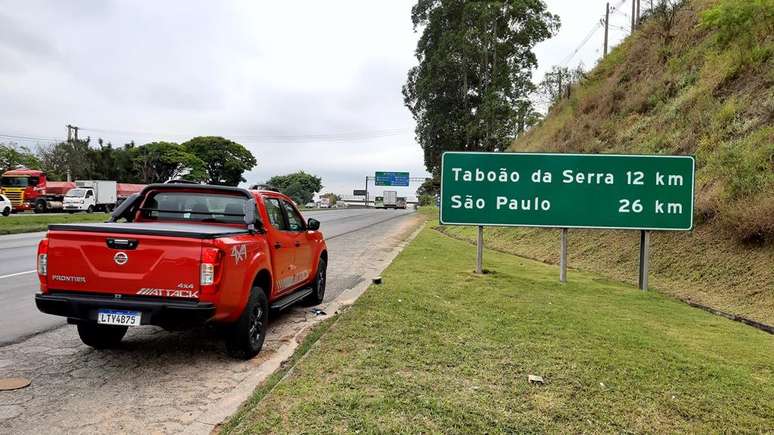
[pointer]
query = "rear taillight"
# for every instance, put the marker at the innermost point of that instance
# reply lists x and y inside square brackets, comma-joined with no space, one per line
[43,263]
[209,274]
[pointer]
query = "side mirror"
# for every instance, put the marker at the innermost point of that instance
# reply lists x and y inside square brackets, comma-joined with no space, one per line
[313,224]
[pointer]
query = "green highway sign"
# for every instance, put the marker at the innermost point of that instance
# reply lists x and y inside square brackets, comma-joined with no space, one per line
[643,192]
[391,179]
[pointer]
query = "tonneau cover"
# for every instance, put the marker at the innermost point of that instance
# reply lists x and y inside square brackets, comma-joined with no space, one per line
[195,231]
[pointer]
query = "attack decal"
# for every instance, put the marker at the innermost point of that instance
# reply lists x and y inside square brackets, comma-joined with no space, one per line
[239,252]
[183,290]
[68,278]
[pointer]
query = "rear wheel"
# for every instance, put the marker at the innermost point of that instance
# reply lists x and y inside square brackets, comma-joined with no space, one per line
[40,206]
[318,286]
[245,339]
[101,336]
[7,211]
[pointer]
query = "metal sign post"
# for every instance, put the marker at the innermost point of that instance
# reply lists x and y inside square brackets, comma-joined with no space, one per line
[480,251]
[563,257]
[644,266]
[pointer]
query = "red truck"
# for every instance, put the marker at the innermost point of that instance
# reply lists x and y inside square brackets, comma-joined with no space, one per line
[182,255]
[30,189]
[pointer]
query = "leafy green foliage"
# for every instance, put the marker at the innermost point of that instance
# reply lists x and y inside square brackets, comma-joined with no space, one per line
[300,186]
[224,160]
[744,21]
[426,200]
[475,61]
[12,156]
[158,162]
[57,159]
[203,159]
[332,198]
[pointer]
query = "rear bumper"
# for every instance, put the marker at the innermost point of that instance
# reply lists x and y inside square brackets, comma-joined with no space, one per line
[167,313]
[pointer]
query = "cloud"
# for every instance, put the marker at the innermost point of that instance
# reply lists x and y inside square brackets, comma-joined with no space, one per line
[149,70]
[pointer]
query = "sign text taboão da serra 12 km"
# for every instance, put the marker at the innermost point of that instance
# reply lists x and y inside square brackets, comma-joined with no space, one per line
[644,192]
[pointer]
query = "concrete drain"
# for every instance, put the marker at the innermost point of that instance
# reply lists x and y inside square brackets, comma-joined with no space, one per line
[7,384]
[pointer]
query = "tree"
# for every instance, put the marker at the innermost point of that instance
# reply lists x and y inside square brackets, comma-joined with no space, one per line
[332,198]
[157,162]
[299,185]
[71,156]
[475,61]
[556,84]
[12,156]
[224,160]
[430,187]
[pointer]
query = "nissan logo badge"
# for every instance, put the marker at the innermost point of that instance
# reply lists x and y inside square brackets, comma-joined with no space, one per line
[121,258]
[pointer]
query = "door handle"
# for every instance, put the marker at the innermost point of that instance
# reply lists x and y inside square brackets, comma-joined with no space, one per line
[277,245]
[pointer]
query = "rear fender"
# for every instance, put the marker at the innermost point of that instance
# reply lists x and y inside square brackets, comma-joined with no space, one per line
[234,304]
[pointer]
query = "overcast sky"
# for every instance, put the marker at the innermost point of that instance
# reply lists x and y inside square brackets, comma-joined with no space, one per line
[312,85]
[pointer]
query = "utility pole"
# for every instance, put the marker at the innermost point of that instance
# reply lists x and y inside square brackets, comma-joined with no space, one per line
[72,133]
[634,12]
[607,24]
[366,190]
[638,12]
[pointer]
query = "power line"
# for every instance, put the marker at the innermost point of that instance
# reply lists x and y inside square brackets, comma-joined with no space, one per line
[589,35]
[26,137]
[295,138]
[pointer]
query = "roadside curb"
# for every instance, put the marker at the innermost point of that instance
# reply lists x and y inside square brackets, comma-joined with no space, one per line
[210,421]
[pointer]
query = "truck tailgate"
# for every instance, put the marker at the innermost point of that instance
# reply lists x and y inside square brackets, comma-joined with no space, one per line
[125,264]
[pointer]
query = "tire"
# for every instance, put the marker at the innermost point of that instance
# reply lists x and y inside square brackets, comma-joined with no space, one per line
[246,336]
[7,211]
[90,210]
[101,336]
[40,207]
[318,286]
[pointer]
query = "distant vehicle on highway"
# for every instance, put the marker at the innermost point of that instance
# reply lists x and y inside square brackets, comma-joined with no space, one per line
[186,255]
[378,202]
[5,205]
[91,196]
[390,199]
[30,189]
[325,203]
[401,202]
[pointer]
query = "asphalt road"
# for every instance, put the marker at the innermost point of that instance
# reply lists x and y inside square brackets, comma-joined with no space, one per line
[19,318]
[160,381]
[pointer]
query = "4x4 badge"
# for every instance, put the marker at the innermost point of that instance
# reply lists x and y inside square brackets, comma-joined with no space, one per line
[121,258]
[239,253]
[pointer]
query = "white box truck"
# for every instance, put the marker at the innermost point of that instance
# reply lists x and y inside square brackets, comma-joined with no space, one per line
[390,199]
[91,196]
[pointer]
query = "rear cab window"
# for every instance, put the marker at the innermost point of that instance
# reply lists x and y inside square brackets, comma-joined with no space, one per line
[195,207]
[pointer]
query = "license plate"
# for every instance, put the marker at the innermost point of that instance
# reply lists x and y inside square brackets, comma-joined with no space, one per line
[118,317]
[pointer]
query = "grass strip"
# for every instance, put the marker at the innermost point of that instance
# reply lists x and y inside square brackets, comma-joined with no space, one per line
[268,385]
[34,223]
[438,349]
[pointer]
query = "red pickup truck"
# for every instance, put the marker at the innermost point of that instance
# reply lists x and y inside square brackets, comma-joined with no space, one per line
[181,255]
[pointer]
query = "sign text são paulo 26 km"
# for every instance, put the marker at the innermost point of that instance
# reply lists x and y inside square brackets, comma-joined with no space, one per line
[568,190]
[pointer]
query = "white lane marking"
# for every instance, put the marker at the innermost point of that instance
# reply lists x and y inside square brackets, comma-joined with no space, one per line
[17,274]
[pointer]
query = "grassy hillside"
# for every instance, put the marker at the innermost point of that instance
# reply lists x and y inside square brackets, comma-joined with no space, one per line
[704,87]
